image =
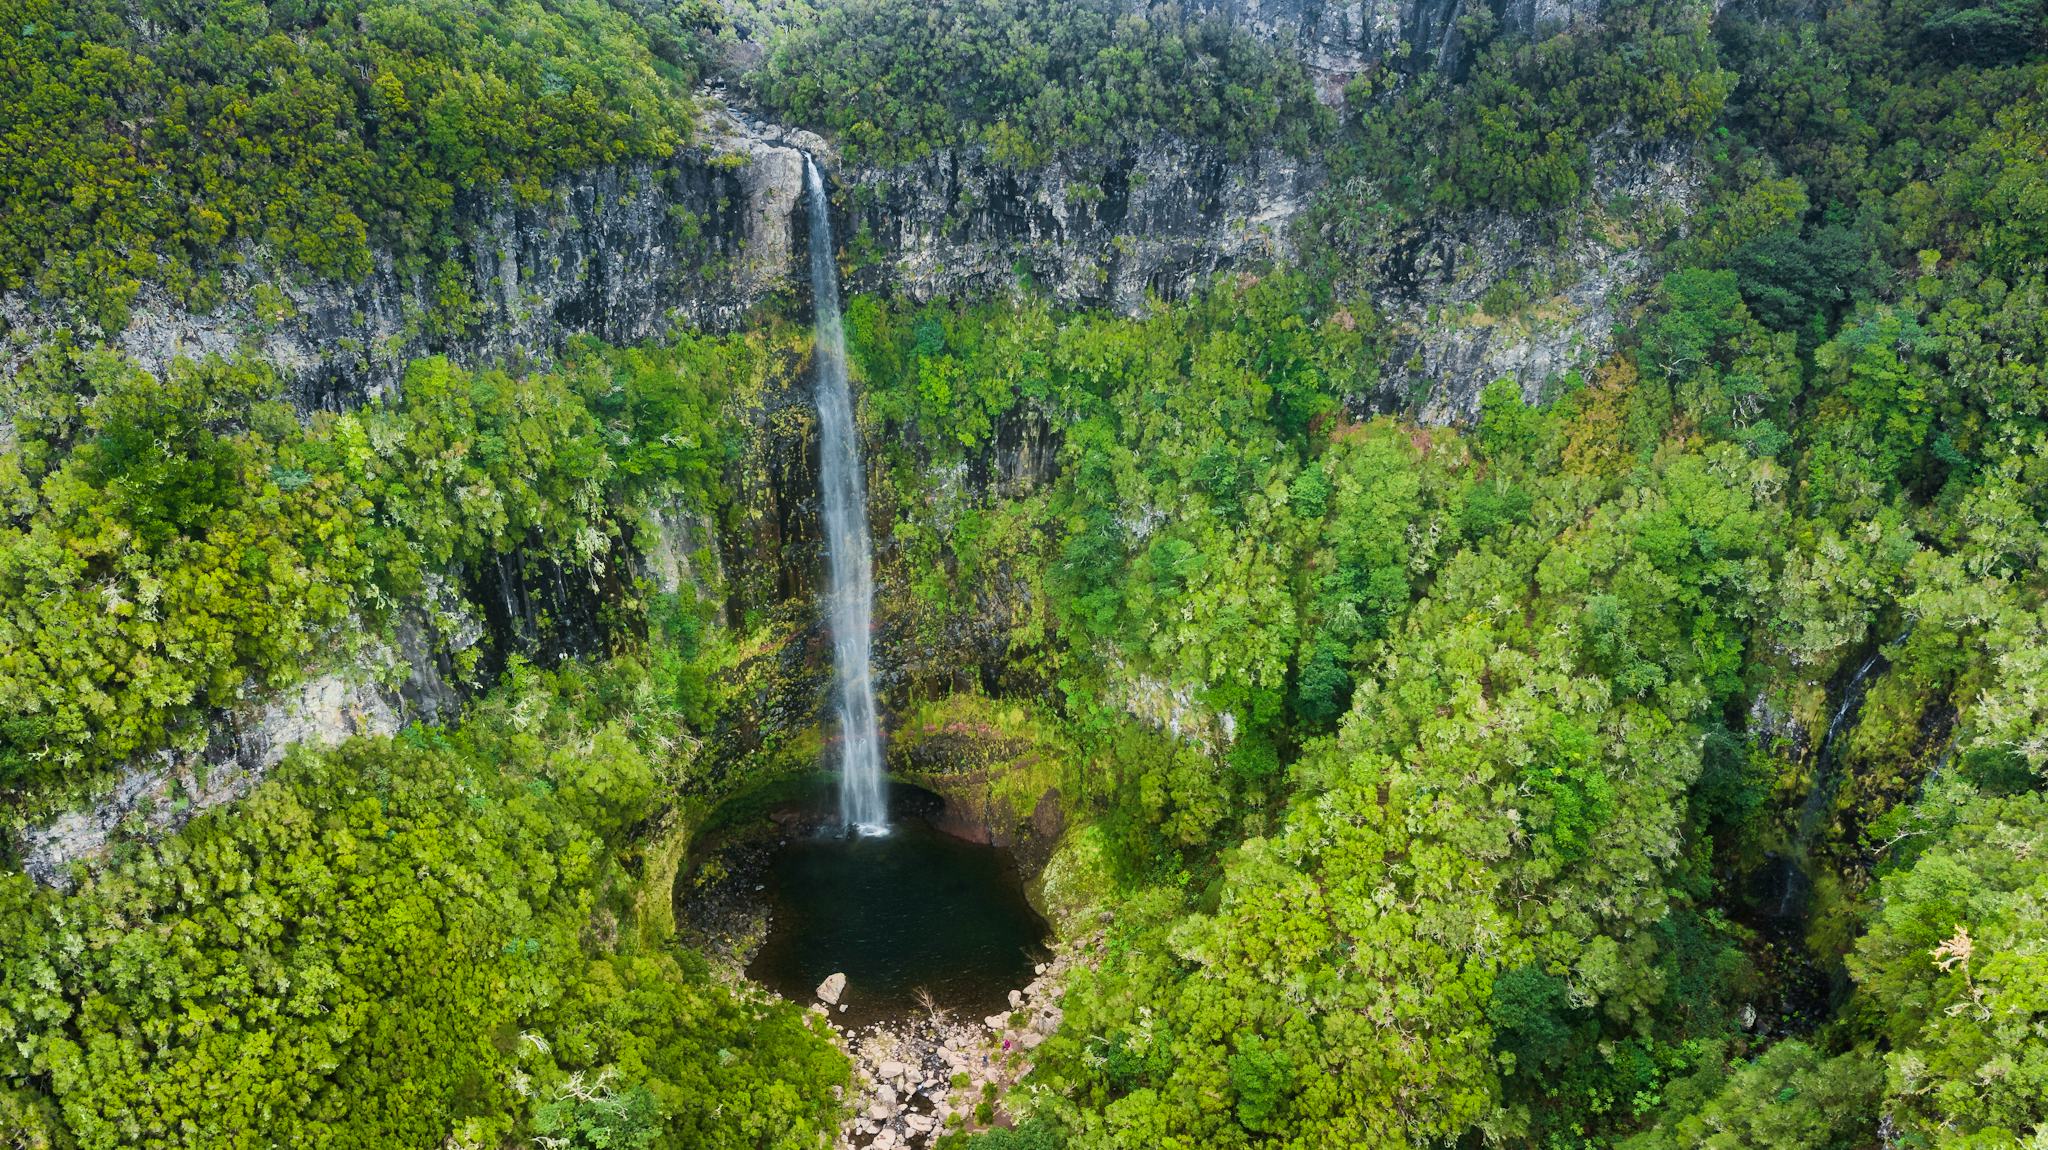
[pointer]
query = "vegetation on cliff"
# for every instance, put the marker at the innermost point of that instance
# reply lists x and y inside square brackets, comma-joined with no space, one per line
[154,142]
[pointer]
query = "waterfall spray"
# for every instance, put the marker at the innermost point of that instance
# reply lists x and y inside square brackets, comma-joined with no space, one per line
[849,568]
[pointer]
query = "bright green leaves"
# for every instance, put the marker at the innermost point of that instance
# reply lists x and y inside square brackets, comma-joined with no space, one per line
[1735,379]
[1384,502]
[175,538]
[1262,1076]
[413,103]
[1954,979]
[1533,1019]
[1791,1097]
[1884,403]
[386,945]
[1568,778]
[891,80]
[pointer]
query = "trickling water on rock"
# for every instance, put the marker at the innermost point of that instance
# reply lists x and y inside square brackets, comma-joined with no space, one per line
[1780,894]
[1820,796]
[849,569]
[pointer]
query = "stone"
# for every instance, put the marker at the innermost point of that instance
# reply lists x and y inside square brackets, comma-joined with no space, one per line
[1039,969]
[1016,999]
[917,1122]
[890,1071]
[1030,1039]
[830,989]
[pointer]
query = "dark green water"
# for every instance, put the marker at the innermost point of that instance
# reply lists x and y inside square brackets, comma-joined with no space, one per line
[913,909]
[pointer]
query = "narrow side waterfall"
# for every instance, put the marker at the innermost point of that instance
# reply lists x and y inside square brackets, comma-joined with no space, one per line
[843,492]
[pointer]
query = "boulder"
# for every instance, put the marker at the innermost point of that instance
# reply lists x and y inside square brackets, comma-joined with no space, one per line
[1016,999]
[830,989]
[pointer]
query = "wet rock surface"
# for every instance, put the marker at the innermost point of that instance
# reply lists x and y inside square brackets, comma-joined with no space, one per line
[720,908]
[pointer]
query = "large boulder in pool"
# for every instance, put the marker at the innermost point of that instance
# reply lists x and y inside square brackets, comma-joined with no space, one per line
[830,989]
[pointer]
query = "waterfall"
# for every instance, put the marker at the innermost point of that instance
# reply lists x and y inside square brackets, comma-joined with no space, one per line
[849,568]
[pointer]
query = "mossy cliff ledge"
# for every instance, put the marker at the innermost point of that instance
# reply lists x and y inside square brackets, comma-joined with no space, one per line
[995,765]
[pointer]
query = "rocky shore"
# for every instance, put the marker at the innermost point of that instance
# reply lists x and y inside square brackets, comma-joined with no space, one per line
[918,1078]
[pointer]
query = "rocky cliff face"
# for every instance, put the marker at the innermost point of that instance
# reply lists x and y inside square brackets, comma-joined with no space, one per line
[620,253]
[1096,230]
[1337,40]
[379,690]
[1490,295]
[628,253]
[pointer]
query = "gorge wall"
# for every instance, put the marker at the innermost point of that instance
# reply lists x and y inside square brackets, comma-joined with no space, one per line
[628,253]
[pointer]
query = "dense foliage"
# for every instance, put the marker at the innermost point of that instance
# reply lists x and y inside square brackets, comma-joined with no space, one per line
[1515,731]
[151,141]
[893,79]
[1516,133]
[167,541]
[419,941]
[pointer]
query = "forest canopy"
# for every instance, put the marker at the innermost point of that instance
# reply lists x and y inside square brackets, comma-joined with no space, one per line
[155,142]
[891,80]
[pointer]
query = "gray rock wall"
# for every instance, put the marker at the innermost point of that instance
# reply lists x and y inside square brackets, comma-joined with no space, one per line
[1100,230]
[1575,273]
[621,253]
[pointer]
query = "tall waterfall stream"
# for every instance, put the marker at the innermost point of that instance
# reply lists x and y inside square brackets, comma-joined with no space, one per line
[850,569]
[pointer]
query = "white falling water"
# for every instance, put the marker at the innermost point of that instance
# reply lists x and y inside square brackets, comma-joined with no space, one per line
[849,568]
